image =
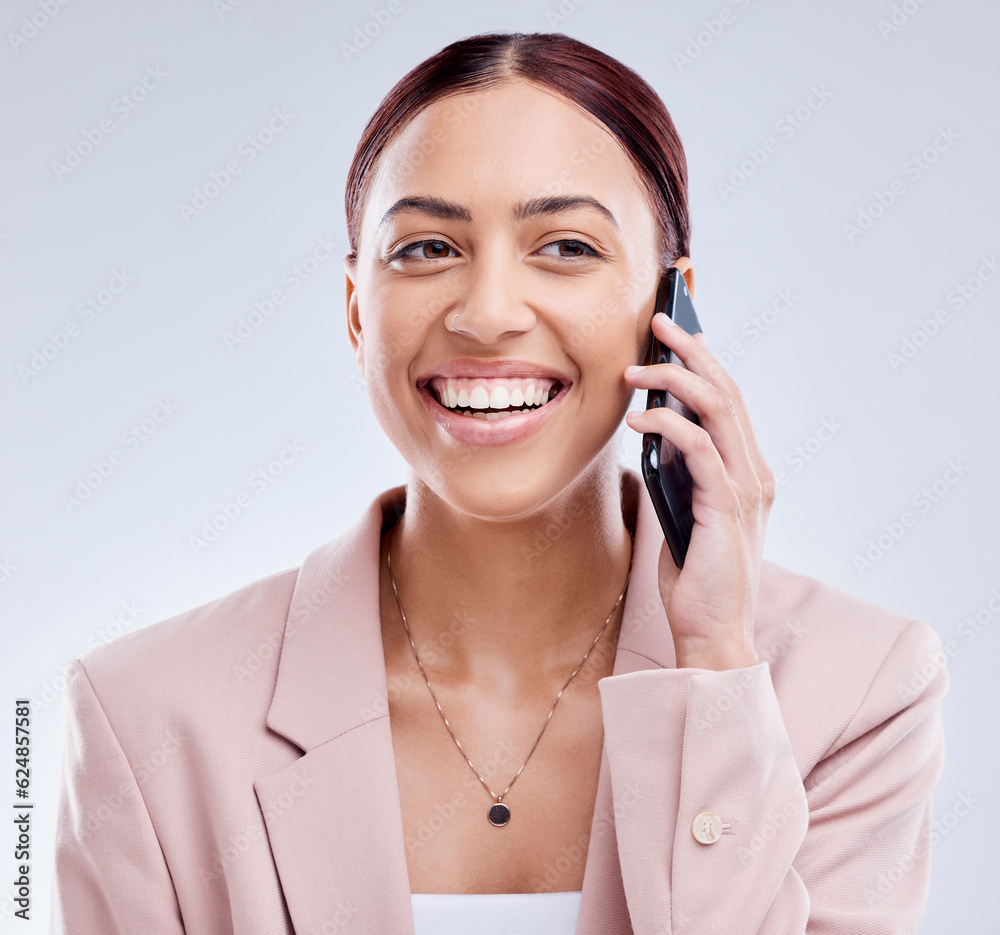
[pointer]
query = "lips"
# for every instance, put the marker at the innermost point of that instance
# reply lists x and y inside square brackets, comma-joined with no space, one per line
[489,427]
[492,391]
[494,367]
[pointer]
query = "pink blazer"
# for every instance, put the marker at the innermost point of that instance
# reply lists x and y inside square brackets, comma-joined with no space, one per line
[231,770]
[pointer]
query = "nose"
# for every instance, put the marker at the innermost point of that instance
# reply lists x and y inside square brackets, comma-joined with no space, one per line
[489,302]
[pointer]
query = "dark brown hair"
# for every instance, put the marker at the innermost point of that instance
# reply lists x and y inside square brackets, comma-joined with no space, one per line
[608,90]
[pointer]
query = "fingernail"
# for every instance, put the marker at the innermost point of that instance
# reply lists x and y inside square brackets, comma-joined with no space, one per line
[663,316]
[633,370]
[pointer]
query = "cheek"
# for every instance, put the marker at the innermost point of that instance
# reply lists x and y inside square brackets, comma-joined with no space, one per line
[642,341]
[390,335]
[409,311]
[637,295]
[602,359]
[609,336]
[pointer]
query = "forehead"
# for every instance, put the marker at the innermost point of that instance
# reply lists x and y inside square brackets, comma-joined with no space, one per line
[509,143]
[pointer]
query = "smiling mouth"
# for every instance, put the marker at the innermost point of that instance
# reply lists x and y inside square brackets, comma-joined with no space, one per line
[493,399]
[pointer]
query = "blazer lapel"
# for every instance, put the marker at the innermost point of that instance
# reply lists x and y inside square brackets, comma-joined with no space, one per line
[333,815]
[644,642]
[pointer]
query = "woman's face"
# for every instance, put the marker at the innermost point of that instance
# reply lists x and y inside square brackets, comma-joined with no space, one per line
[515,215]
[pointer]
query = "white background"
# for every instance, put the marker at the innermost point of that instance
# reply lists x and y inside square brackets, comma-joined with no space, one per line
[888,96]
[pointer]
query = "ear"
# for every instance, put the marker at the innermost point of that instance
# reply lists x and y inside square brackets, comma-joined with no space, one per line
[354,334]
[687,269]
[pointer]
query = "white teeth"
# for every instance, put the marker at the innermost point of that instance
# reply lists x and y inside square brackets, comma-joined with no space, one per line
[494,393]
[499,398]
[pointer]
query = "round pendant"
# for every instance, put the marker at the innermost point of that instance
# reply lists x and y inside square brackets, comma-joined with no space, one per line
[499,815]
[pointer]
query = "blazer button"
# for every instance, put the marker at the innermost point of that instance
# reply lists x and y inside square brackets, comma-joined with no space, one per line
[706,827]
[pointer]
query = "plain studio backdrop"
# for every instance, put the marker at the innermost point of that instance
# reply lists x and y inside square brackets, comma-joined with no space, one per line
[174,355]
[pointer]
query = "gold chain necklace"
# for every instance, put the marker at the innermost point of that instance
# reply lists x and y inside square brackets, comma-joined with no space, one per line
[499,813]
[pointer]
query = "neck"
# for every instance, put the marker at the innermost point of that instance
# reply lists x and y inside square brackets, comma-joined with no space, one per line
[509,603]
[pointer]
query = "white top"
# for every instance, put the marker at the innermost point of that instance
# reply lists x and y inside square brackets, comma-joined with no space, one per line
[495,913]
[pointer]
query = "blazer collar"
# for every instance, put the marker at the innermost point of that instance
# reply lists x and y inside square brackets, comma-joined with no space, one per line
[331,674]
[330,699]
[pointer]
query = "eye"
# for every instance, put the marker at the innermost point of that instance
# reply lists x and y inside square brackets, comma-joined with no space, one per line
[439,250]
[429,250]
[569,249]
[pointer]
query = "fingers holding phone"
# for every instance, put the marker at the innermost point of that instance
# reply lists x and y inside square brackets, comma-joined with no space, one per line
[725,491]
[744,455]
[699,381]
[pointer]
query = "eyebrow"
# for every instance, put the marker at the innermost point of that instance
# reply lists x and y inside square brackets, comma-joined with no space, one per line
[536,207]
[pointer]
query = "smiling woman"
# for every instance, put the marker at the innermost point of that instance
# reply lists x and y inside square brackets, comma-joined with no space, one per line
[495,703]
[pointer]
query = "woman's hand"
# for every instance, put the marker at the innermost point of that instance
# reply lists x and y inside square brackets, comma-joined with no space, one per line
[711,602]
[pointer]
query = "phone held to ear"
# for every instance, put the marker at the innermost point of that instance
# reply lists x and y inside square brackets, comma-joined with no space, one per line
[666,475]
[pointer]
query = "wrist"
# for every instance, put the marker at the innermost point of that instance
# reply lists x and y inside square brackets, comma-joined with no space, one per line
[715,656]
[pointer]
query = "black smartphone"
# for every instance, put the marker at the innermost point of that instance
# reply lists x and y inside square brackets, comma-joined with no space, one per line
[666,475]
